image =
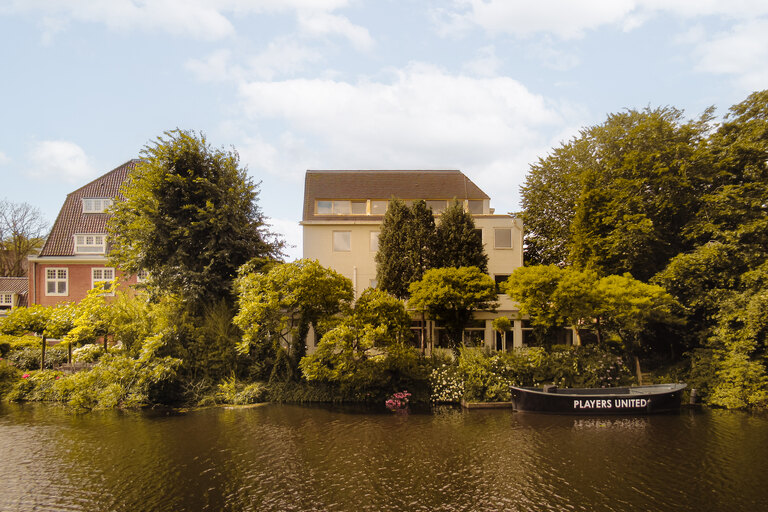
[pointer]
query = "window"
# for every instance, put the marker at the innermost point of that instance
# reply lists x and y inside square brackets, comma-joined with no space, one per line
[324,207]
[56,281]
[475,206]
[379,207]
[341,208]
[437,206]
[358,207]
[142,276]
[500,278]
[374,241]
[102,275]
[342,241]
[6,299]
[90,244]
[479,234]
[96,204]
[502,238]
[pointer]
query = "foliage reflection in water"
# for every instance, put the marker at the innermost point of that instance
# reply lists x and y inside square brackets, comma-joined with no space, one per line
[282,457]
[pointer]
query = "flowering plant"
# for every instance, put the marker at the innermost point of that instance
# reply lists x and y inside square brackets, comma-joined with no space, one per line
[398,401]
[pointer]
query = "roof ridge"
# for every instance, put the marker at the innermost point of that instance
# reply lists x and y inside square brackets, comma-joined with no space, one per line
[133,161]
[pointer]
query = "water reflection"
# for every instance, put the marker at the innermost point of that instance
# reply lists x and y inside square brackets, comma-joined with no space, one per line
[301,458]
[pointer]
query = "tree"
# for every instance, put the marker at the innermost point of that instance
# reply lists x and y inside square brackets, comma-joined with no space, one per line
[190,218]
[639,178]
[277,309]
[46,322]
[367,351]
[553,297]
[393,263]
[450,296]
[459,243]
[22,233]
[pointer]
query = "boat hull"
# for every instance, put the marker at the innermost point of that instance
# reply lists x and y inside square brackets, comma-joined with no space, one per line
[658,398]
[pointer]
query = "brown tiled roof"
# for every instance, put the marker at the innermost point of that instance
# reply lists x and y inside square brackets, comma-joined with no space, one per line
[71,218]
[369,184]
[18,285]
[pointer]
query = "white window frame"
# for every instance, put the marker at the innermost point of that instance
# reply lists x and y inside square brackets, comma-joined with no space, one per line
[90,243]
[96,204]
[142,276]
[6,299]
[102,275]
[496,239]
[349,238]
[377,202]
[57,278]
[373,241]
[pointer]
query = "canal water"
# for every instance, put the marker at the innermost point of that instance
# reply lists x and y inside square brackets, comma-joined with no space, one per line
[284,458]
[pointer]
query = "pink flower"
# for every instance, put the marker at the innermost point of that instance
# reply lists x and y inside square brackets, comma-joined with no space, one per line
[57,377]
[25,376]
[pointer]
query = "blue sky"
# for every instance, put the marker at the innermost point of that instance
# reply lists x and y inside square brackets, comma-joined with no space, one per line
[485,86]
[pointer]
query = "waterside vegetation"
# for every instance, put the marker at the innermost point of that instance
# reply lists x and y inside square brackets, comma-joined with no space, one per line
[647,235]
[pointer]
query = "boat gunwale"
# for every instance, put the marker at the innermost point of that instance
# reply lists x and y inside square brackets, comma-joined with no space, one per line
[653,389]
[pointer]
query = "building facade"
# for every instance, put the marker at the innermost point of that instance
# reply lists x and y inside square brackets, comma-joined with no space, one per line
[74,257]
[343,212]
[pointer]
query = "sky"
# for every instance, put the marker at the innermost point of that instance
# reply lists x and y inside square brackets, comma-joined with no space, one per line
[484,86]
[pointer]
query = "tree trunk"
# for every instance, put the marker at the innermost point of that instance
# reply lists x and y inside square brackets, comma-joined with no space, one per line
[638,371]
[105,343]
[69,353]
[42,352]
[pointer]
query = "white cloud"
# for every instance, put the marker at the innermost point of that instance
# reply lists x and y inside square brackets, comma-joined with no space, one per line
[569,19]
[742,52]
[485,64]
[199,19]
[4,158]
[60,161]
[423,118]
[323,23]
[566,19]
[281,58]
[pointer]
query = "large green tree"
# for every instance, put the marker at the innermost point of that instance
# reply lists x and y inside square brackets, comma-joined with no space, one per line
[190,218]
[394,264]
[277,309]
[451,295]
[459,242]
[616,198]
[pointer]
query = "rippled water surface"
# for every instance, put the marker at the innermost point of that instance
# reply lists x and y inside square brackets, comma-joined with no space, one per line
[281,457]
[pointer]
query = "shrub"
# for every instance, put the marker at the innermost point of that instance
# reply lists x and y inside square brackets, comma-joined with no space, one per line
[232,392]
[446,384]
[9,374]
[88,353]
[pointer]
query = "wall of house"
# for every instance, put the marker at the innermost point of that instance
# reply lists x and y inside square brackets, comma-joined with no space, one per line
[358,264]
[79,282]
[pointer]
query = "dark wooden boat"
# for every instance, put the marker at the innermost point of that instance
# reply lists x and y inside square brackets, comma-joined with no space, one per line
[590,401]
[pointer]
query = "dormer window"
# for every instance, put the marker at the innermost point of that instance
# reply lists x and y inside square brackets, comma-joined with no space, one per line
[90,244]
[96,204]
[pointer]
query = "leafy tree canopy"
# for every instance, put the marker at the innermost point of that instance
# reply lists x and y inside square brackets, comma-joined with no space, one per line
[460,244]
[276,310]
[450,296]
[190,218]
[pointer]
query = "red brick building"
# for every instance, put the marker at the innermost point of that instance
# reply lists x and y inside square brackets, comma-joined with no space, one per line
[74,257]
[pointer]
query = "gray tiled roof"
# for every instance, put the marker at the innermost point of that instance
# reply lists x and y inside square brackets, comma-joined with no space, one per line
[18,285]
[370,184]
[71,218]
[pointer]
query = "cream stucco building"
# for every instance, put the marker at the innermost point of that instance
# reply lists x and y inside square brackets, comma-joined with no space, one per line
[343,212]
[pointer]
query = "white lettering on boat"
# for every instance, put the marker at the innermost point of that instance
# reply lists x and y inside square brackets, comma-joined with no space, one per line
[618,403]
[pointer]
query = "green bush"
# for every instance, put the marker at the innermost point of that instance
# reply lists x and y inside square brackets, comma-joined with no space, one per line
[88,353]
[117,380]
[488,376]
[8,376]
[232,392]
